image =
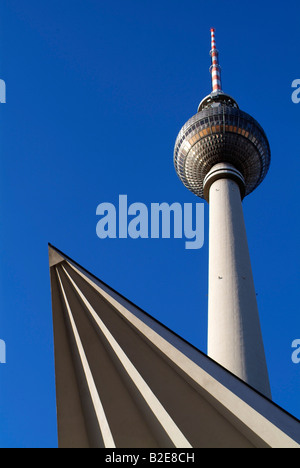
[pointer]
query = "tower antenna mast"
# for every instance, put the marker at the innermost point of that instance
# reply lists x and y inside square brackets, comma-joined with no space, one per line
[215,68]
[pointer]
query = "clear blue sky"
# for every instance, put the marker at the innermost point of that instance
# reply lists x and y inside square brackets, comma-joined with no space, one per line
[96,94]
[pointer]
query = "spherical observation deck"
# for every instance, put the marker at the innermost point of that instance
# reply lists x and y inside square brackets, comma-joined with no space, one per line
[221,133]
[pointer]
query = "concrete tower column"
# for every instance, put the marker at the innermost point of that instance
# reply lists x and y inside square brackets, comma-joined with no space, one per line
[221,131]
[234,332]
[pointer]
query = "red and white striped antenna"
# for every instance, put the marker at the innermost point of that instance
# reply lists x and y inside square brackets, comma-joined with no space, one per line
[215,68]
[217,97]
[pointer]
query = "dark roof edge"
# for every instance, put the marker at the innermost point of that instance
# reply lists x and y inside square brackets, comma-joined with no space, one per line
[174,333]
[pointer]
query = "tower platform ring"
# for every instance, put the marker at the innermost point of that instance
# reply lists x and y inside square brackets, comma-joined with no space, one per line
[221,134]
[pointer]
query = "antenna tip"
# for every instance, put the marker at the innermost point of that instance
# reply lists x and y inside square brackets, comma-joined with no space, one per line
[212,30]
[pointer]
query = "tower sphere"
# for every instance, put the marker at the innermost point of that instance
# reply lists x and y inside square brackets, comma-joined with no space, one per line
[220,132]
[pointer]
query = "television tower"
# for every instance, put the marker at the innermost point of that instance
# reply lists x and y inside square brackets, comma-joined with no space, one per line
[222,154]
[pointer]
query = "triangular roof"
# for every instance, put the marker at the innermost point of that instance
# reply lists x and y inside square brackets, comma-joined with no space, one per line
[123,379]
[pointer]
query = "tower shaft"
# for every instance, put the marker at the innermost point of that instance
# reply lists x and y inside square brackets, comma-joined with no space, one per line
[222,154]
[234,332]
